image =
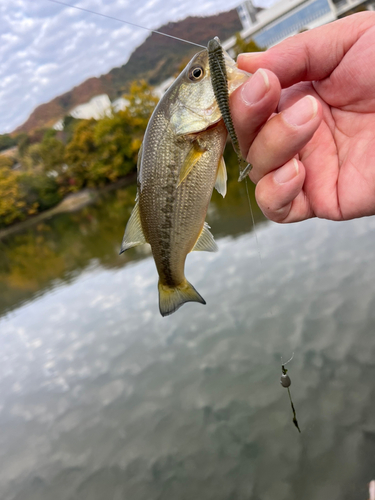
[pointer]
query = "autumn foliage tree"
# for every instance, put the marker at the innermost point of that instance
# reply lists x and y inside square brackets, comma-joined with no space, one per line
[103,151]
[80,154]
[96,153]
[11,203]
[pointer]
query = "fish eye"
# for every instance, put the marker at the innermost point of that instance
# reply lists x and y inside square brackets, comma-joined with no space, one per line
[196,73]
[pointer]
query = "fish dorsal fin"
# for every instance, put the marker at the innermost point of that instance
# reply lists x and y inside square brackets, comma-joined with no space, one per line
[133,232]
[221,179]
[205,241]
[194,154]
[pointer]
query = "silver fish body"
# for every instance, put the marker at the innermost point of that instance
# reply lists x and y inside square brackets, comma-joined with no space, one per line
[173,221]
[179,164]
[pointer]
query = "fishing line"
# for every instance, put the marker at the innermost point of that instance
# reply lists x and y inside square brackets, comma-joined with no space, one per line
[253,220]
[125,22]
[285,380]
[256,237]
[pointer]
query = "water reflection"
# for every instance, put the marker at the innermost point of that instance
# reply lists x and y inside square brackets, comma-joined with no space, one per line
[57,250]
[103,398]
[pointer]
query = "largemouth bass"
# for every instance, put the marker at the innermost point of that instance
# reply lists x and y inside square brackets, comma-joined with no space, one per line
[179,164]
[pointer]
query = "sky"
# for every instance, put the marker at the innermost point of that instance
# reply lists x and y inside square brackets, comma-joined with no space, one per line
[46,49]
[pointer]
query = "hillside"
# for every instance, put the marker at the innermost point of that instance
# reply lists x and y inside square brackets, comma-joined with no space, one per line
[155,60]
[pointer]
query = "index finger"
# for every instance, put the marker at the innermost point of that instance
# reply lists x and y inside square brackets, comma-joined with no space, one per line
[252,104]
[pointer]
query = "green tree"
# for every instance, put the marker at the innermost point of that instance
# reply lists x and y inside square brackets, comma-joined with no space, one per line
[23,142]
[47,153]
[11,202]
[51,152]
[117,148]
[42,174]
[6,141]
[81,154]
[31,159]
[39,191]
[142,103]
[69,124]
[245,46]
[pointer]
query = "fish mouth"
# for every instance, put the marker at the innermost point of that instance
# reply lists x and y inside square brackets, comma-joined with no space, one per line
[213,125]
[195,133]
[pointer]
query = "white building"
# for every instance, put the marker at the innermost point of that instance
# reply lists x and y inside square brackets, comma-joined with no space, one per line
[247,14]
[59,125]
[288,17]
[120,104]
[97,107]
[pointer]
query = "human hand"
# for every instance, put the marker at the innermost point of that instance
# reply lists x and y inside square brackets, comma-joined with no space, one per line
[312,144]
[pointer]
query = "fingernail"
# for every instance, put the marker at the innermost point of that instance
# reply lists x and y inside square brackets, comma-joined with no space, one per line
[246,56]
[287,172]
[256,88]
[302,111]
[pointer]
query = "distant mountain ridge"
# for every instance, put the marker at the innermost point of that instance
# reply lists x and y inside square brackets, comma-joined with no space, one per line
[154,61]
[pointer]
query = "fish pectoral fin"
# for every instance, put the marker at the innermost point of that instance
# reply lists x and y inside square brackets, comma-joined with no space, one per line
[172,298]
[221,179]
[133,232]
[194,154]
[205,241]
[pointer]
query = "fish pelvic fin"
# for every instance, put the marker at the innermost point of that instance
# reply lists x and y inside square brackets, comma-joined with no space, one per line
[221,178]
[133,232]
[172,298]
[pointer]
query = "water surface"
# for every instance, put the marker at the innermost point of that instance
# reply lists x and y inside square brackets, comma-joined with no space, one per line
[102,398]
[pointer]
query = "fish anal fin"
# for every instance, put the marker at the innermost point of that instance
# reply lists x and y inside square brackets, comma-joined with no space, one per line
[221,179]
[133,232]
[193,156]
[205,241]
[172,298]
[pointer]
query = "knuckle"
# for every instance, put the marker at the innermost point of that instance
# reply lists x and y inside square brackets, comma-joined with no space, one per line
[280,215]
[263,199]
[266,201]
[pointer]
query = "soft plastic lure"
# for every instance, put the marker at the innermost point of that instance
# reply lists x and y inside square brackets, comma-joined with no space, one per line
[220,86]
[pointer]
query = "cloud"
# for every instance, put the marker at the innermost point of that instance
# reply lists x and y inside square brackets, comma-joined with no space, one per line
[46,48]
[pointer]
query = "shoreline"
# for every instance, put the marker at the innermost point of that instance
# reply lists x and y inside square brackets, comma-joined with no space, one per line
[70,203]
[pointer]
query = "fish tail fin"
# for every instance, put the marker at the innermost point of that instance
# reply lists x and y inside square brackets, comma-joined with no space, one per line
[172,298]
